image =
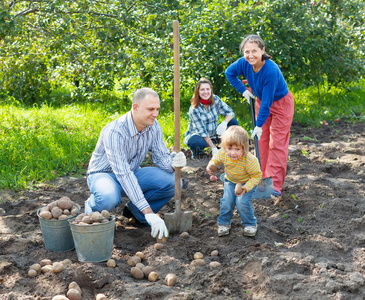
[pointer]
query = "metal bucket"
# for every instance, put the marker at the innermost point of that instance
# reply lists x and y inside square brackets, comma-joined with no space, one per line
[57,234]
[93,242]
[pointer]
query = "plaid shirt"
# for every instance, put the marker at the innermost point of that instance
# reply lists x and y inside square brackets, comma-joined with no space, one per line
[121,149]
[203,122]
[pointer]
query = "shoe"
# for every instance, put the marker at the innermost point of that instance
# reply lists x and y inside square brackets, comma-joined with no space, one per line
[223,229]
[250,230]
[277,194]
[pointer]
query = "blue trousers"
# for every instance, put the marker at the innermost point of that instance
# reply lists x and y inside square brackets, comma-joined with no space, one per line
[197,144]
[158,187]
[243,205]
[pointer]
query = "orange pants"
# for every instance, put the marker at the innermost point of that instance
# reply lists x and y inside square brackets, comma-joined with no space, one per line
[274,141]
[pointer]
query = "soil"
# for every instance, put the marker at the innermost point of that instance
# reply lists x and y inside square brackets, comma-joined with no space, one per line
[310,242]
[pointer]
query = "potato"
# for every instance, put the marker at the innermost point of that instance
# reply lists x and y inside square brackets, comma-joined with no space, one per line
[198,262]
[73,294]
[162,240]
[45,262]
[46,269]
[32,273]
[105,213]
[214,264]
[238,189]
[139,266]
[184,235]
[214,253]
[66,212]
[111,263]
[171,279]
[133,260]
[198,255]
[153,276]
[63,217]
[96,216]
[147,270]
[60,297]
[140,255]
[74,210]
[45,215]
[100,297]
[67,262]
[87,220]
[158,246]
[56,212]
[58,267]
[74,285]
[52,205]
[36,267]
[80,217]
[65,203]
[137,273]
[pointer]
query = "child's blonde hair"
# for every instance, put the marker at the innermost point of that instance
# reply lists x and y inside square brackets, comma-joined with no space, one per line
[235,135]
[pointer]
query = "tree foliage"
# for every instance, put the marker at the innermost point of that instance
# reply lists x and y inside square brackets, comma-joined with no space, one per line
[92,45]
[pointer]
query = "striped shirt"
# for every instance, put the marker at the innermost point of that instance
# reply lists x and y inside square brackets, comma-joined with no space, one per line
[245,170]
[121,149]
[203,122]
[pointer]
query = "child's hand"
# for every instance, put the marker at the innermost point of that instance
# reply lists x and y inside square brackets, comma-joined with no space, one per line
[211,168]
[239,190]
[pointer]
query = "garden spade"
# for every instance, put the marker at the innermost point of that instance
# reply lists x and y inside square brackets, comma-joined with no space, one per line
[265,188]
[178,221]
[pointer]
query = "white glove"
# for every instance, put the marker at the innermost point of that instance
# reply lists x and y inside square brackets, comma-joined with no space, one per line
[178,160]
[256,132]
[157,225]
[221,128]
[248,95]
[214,150]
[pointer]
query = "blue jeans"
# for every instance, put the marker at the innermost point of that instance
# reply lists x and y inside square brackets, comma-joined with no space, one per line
[243,204]
[197,144]
[157,185]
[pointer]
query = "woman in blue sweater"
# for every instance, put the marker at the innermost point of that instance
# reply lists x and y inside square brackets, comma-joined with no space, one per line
[274,106]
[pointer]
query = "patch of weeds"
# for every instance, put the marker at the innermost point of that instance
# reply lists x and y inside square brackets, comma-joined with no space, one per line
[300,219]
[331,161]
[285,216]
[304,152]
[307,138]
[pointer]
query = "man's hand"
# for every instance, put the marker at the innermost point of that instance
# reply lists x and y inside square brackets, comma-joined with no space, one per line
[221,128]
[248,96]
[214,150]
[157,225]
[178,160]
[256,132]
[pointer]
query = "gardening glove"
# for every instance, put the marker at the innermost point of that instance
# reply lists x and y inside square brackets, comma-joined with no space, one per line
[248,95]
[157,225]
[178,160]
[214,150]
[256,132]
[221,128]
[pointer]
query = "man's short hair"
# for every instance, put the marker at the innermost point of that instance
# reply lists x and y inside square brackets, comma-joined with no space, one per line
[140,94]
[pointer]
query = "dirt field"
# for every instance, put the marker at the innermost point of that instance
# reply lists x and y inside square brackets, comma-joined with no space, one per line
[310,243]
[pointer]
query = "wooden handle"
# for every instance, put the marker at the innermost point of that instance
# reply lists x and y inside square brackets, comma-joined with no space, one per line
[177,84]
[177,112]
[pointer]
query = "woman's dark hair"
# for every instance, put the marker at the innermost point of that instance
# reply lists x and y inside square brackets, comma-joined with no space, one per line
[254,39]
[195,100]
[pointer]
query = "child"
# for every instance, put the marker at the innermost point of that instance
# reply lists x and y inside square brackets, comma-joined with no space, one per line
[240,167]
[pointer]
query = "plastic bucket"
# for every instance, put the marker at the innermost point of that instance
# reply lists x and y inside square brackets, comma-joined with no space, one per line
[94,242]
[57,234]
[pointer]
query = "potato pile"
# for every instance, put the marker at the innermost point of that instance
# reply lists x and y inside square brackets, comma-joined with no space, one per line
[139,270]
[92,218]
[60,209]
[46,265]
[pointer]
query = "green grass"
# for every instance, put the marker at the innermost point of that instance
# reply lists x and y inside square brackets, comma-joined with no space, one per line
[41,143]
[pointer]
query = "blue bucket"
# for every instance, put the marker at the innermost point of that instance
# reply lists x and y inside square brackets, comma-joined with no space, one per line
[57,234]
[94,242]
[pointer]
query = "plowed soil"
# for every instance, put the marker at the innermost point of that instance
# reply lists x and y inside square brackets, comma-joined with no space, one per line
[310,242]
